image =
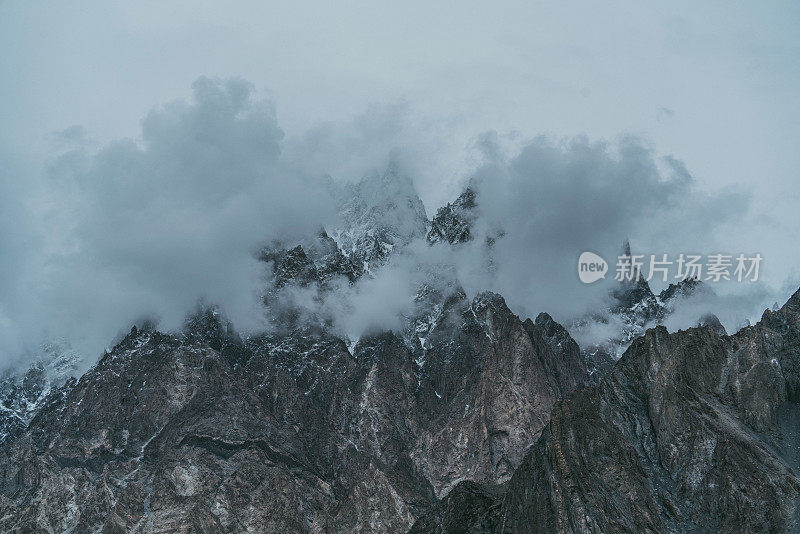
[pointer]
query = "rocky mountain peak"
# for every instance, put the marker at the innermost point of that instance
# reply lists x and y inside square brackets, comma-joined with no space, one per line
[290,266]
[551,329]
[690,431]
[684,288]
[361,441]
[633,308]
[24,391]
[712,321]
[378,214]
[208,325]
[453,222]
[466,418]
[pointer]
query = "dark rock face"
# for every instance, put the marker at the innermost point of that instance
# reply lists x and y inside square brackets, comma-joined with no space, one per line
[684,288]
[468,508]
[318,260]
[291,266]
[380,214]
[287,432]
[488,382]
[158,433]
[208,326]
[635,296]
[690,432]
[712,321]
[330,261]
[485,427]
[23,393]
[633,308]
[453,222]
[468,419]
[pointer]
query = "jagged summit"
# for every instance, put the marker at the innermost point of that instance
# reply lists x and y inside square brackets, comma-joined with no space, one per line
[446,421]
[691,431]
[635,293]
[378,214]
[172,431]
[24,391]
[457,222]
[712,321]
[684,288]
[315,259]
[208,325]
[632,309]
[453,222]
[292,266]
[329,260]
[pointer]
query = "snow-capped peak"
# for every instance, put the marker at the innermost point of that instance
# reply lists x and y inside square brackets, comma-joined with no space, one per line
[380,213]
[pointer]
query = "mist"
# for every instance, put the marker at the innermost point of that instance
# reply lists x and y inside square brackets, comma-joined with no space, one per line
[556,198]
[101,235]
[146,226]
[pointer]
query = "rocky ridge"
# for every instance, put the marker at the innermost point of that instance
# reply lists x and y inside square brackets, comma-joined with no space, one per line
[436,425]
[632,309]
[690,431]
[23,393]
[379,214]
[288,432]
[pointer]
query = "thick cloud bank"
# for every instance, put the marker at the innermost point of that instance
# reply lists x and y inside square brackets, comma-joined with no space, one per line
[148,226]
[553,200]
[540,203]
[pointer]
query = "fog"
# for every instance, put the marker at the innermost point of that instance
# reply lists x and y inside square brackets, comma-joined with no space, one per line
[148,153]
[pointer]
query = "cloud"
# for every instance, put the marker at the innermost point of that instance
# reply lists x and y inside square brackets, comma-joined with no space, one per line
[734,310]
[148,226]
[554,200]
[383,134]
[549,201]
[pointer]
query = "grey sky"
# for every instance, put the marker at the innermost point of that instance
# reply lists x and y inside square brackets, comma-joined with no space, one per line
[728,72]
[713,85]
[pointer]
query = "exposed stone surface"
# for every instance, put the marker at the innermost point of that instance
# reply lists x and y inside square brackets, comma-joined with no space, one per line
[379,214]
[330,261]
[287,432]
[453,222]
[468,508]
[684,288]
[291,266]
[712,321]
[316,260]
[467,419]
[691,432]
[492,380]
[23,392]
[632,309]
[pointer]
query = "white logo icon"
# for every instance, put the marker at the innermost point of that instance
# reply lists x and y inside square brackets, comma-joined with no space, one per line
[591,267]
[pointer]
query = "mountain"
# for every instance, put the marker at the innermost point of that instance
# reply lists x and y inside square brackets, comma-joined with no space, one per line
[24,392]
[453,222]
[287,431]
[378,214]
[632,309]
[694,431]
[317,259]
[464,418]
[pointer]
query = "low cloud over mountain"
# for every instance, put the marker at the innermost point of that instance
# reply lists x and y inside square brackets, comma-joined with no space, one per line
[147,227]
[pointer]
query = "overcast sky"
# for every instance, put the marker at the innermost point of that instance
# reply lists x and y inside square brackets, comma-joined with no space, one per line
[713,85]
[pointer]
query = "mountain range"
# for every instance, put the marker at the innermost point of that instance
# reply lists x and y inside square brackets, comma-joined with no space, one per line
[465,418]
